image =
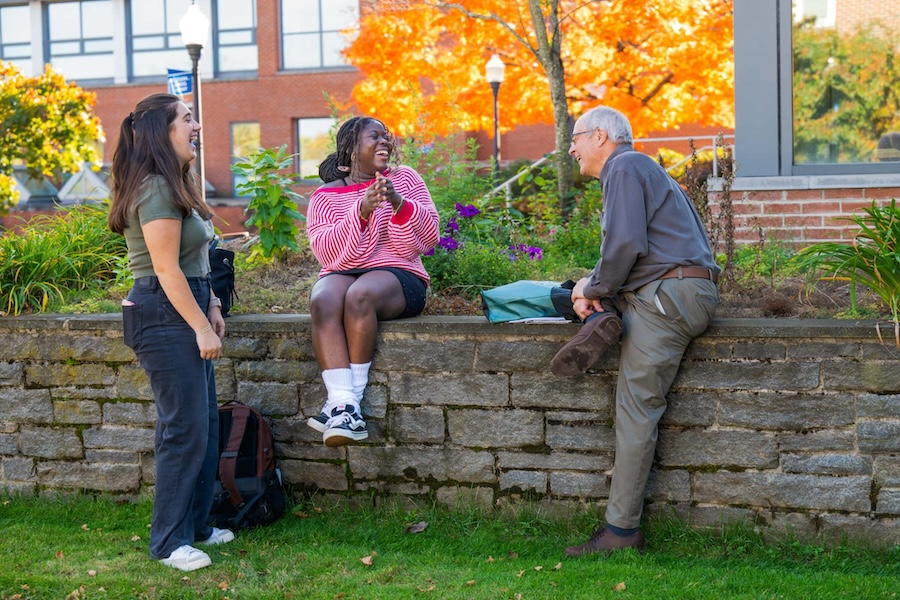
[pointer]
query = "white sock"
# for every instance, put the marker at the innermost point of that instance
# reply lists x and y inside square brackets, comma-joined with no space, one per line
[339,385]
[360,379]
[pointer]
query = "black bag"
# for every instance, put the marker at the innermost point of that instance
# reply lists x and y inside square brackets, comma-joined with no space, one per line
[221,274]
[248,490]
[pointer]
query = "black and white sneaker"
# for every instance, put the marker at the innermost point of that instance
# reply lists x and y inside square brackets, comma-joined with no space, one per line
[320,421]
[344,428]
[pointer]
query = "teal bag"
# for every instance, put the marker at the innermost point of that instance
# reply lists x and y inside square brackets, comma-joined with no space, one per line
[528,300]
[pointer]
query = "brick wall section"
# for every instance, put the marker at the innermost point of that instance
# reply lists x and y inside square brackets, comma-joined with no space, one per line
[800,216]
[791,424]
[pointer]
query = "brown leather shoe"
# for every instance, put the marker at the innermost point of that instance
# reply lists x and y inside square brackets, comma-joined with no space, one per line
[606,541]
[589,344]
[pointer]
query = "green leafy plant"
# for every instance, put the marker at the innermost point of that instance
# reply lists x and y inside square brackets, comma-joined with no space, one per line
[53,255]
[273,203]
[873,259]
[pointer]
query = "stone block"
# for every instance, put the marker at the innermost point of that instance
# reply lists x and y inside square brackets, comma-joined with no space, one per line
[871,376]
[770,410]
[887,471]
[888,502]
[783,491]
[133,383]
[475,389]
[312,398]
[97,394]
[587,392]
[509,428]
[270,398]
[759,350]
[282,371]
[749,376]
[104,477]
[16,468]
[292,348]
[76,411]
[118,457]
[324,476]
[524,481]
[690,409]
[555,461]
[64,374]
[836,529]
[89,348]
[707,349]
[703,448]
[582,485]
[11,373]
[423,425]
[878,436]
[459,497]
[669,486]
[26,406]
[374,402]
[130,413]
[148,469]
[877,406]
[422,464]
[824,440]
[50,442]
[226,381]
[581,437]
[418,355]
[134,439]
[235,347]
[827,464]
[716,517]
[515,355]
[818,350]
[9,443]
[20,347]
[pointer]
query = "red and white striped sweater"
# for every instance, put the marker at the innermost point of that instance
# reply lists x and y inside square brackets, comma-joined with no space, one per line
[340,240]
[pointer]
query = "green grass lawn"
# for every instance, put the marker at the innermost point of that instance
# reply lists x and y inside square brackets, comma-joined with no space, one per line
[85,548]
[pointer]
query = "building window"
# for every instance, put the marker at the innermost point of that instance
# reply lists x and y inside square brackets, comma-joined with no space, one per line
[235,36]
[155,38]
[245,140]
[846,83]
[313,145]
[311,35]
[15,36]
[80,38]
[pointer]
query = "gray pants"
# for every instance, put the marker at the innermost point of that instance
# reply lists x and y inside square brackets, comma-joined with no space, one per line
[659,320]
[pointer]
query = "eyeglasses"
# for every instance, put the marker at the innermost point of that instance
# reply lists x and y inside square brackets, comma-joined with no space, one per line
[577,133]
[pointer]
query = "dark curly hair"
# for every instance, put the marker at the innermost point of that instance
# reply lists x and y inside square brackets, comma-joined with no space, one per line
[346,142]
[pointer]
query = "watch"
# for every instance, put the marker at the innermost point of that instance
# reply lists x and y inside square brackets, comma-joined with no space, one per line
[213,301]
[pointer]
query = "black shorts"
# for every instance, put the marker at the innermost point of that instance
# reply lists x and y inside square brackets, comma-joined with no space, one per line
[413,288]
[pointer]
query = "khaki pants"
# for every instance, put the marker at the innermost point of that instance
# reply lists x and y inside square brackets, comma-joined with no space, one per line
[659,320]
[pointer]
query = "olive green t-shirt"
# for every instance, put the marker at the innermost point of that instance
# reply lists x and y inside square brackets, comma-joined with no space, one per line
[154,201]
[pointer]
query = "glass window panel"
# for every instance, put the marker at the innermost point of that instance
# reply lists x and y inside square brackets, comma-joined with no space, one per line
[147,16]
[236,14]
[64,21]
[234,38]
[332,44]
[157,64]
[17,51]
[299,16]
[15,24]
[301,51]
[85,67]
[314,141]
[97,19]
[238,58]
[846,89]
[245,139]
[339,14]
[148,43]
[97,46]
[62,48]
[175,40]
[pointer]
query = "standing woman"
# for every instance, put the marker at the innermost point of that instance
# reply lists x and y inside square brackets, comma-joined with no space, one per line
[171,318]
[368,226]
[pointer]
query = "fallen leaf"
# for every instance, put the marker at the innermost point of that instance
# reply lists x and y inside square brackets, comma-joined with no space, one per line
[101,589]
[25,587]
[553,583]
[85,527]
[135,538]
[16,597]
[619,586]
[470,582]
[538,568]
[518,596]
[185,578]
[426,590]
[339,596]
[512,554]
[366,560]
[558,566]
[300,514]
[417,527]
[223,585]
[59,554]
[522,572]
[92,573]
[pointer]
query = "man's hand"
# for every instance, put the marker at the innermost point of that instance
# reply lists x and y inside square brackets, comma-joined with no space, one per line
[584,307]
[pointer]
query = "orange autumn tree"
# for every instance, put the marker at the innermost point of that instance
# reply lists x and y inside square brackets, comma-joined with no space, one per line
[661,62]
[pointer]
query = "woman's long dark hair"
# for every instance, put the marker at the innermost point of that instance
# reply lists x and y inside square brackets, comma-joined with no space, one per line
[144,149]
[346,143]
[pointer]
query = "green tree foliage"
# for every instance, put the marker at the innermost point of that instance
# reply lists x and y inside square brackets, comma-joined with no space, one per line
[48,125]
[846,93]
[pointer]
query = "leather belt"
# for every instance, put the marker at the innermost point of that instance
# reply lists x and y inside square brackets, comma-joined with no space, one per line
[691,272]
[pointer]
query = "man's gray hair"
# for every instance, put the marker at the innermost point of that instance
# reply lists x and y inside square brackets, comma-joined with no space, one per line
[614,123]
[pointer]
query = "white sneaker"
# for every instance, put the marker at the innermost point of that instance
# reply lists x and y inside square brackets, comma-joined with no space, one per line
[187,558]
[218,536]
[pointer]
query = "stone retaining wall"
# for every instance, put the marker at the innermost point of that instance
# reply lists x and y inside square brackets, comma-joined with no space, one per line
[792,423]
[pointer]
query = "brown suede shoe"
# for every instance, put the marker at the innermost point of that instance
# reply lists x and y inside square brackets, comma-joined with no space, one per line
[592,340]
[606,541]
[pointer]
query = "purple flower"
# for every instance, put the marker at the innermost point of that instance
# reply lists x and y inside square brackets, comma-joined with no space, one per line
[468,210]
[428,252]
[448,243]
[451,225]
[533,252]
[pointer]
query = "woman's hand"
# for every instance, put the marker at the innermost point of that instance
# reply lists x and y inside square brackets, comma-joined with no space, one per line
[210,343]
[217,320]
[386,191]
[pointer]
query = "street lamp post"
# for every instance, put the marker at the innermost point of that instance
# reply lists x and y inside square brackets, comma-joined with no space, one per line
[194,35]
[494,72]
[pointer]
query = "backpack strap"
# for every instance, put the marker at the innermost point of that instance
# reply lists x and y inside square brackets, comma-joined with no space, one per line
[228,458]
